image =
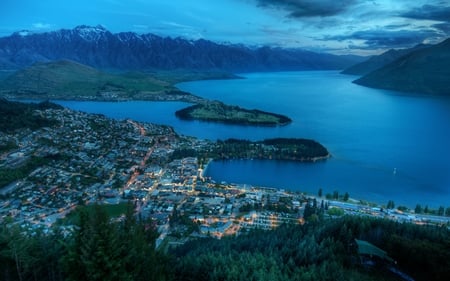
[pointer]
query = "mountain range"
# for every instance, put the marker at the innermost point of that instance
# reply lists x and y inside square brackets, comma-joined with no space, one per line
[421,71]
[99,48]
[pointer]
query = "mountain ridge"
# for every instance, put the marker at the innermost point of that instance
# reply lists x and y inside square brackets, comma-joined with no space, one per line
[99,48]
[424,71]
[375,62]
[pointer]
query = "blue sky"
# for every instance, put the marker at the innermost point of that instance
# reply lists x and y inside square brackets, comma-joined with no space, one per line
[335,26]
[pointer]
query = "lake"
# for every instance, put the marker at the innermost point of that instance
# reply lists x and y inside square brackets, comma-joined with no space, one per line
[384,145]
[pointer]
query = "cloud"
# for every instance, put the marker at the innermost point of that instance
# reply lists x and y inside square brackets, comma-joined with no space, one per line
[396,26]
[380,38]
[308,8]
[41,25]
[429,12]
[175,29]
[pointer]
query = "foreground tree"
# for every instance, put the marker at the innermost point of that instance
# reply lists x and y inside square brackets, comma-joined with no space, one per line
[390,204]
[103,250]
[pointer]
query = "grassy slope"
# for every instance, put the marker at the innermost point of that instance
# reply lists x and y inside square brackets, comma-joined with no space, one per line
[71,80]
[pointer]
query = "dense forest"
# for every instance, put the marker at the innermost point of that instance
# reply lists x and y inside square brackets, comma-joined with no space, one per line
[98,248]
[278,149]
[17,115]
[319,251]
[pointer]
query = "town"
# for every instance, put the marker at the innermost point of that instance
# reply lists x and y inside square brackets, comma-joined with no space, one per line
[89,158]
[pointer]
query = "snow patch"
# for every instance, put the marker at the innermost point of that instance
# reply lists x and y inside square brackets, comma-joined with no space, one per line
[90,33]
[24,33]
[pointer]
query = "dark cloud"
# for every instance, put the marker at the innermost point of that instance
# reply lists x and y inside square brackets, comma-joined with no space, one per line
[429,12]
[308,8]
[445,27]
[396,26]
[380,38]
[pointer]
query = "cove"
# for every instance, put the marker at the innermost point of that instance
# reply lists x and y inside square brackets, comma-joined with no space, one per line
[369,132]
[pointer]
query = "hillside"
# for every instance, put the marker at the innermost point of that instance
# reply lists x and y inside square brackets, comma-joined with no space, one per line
[17,115]
[325,250]
[379,61]
[101,49]
[70,80]
[320,251]
[424,71]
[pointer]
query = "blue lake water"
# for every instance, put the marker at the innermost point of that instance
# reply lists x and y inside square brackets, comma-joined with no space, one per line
[369,133]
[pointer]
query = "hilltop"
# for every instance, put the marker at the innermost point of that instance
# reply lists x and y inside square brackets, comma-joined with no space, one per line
[69,80]
[424,71]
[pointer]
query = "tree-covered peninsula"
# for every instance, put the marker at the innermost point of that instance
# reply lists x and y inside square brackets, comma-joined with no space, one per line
[277,149]
[219,112]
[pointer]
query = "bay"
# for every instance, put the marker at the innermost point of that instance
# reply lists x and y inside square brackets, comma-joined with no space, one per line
[384,145]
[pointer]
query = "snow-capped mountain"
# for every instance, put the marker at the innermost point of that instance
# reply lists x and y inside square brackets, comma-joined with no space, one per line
[97,47]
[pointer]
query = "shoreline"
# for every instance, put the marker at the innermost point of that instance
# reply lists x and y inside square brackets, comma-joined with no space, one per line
[376,200]
[205,168]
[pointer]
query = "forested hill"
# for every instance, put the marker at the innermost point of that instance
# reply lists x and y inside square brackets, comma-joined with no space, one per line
[324,250]
[17,115]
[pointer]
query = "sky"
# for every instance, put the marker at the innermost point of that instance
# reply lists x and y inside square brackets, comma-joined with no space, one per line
[362,27]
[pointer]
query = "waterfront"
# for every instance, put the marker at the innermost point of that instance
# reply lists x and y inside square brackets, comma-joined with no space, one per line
[369,133]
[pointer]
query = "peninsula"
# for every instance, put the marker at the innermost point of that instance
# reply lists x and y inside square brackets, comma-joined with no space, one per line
[293,149]
[216,111]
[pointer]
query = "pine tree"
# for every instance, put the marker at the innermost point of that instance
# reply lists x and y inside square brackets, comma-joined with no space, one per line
[335,195]
[441,211]
[390,204]
[346,196]
[418,209]
[95,252]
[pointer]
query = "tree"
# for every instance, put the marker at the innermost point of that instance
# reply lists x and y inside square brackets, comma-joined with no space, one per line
[336,212]
[441,211]
[320,192]
[335,195]
[95,251]
[309,211]
[402,208]
[447,212]
[418,209]
[390,204]
[426,210]
[346,196]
